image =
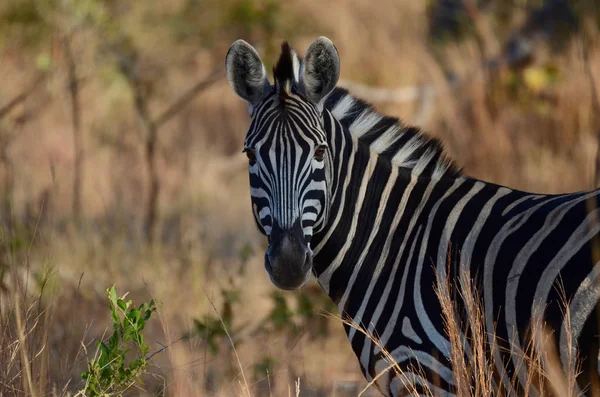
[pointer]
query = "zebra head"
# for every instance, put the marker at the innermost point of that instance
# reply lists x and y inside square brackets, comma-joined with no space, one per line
[287,150]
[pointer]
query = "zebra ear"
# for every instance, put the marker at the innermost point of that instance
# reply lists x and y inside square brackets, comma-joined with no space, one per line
[321,69]
[246,73]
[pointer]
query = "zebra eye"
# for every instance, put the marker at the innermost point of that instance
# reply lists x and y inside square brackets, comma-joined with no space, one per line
[251,156]
[320,152]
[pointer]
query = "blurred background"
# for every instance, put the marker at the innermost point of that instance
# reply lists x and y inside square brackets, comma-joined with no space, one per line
[120,163]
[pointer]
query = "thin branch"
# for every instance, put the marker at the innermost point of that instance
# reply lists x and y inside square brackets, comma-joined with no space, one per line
[164,347]
[4,110]
[187,97]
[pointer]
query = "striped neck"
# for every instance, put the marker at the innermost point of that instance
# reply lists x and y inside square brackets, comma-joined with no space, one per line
[373,158]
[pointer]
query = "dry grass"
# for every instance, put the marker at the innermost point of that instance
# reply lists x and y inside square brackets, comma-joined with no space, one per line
[27,320]
[533,138]
[476,363]
[477,367]
[47,334]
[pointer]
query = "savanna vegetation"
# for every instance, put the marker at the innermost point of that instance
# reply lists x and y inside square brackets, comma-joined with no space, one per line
[121,164]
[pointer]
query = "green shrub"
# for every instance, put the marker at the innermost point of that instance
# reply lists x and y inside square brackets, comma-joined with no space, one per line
[111,372]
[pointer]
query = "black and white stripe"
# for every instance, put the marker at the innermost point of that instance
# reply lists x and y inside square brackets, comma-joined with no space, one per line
[520,247]
[386,213]
[286,181]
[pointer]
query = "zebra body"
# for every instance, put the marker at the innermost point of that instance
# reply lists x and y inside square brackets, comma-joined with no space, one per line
[379,214]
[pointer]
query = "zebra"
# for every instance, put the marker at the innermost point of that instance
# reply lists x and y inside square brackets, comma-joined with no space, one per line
[378,212]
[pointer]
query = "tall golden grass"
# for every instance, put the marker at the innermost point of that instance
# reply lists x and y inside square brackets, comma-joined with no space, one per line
[27,321]
[475,352]
[478,375]
[498,127]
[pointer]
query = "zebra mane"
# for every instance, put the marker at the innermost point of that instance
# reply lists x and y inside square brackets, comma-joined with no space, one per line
[287,70]
[405,146]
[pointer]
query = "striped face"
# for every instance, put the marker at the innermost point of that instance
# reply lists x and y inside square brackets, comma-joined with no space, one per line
[287,155]
[287,150]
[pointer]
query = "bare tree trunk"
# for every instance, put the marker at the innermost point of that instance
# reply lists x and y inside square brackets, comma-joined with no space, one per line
[37,83]
[76,125]
[151,135]
[5,141]
[151,126]
[152,209]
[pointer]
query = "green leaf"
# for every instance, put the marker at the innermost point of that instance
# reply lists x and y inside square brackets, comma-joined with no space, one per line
[113,342]
[112,295]
[121,303]
[133,316]
[104,354]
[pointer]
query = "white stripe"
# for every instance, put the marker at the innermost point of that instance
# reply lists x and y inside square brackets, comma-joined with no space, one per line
[383,259]
[514,276]
[440,342]
[386,292]
[296,66]
[450,224]
[445,244]
[488,277]
[264,213]
[364,123]
[423,161]
[404,353]
[404,155]
[336,128]
[519,201]
[258,193]
[391,325]
[386,139]
[375,229]
[584,232]
[325,277]
[309,216]
[342,107]
[409,332]
[466,252]
[582,304]
[440,169]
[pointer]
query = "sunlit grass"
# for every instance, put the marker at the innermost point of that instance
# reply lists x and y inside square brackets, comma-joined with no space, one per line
[505,127]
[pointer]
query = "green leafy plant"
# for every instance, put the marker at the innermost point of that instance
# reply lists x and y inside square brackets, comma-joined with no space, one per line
[111,372]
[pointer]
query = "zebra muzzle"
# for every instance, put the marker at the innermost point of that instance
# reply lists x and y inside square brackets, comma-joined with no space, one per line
[288,259]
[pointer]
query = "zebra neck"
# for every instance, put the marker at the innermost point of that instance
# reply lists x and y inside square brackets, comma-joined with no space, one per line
[375,162]
[370,198]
